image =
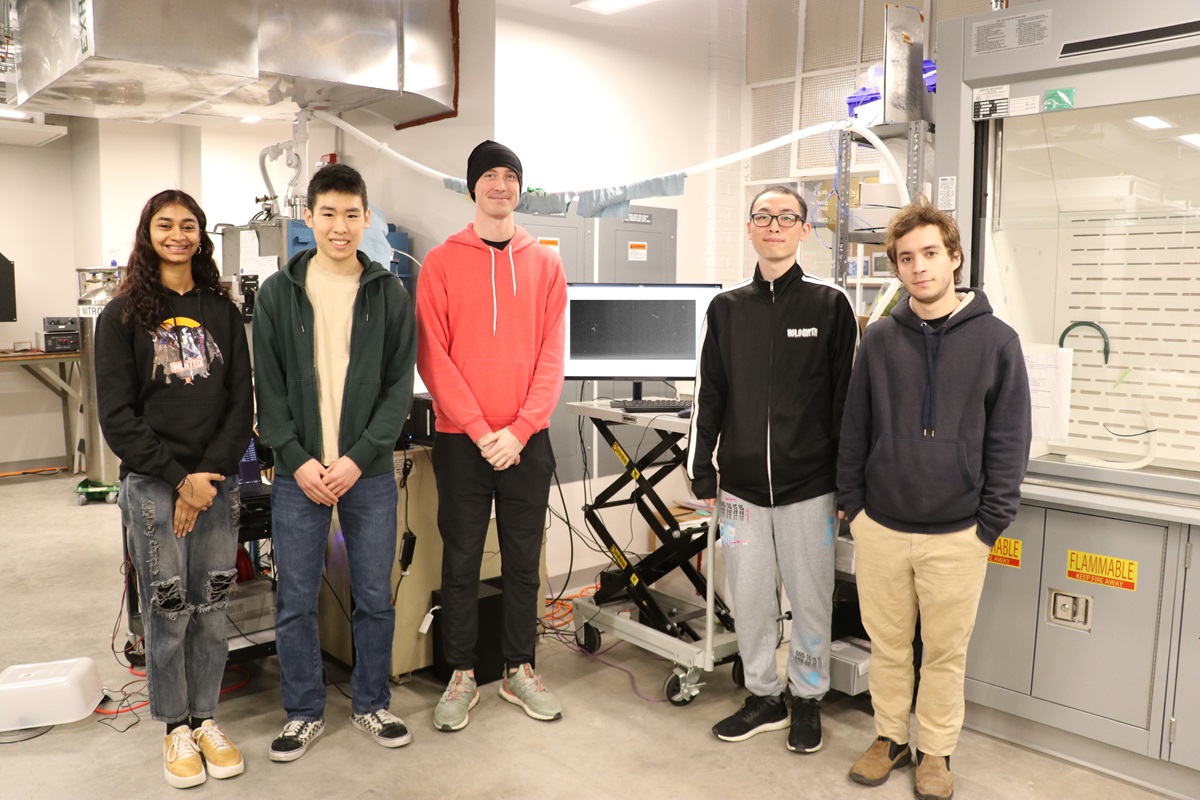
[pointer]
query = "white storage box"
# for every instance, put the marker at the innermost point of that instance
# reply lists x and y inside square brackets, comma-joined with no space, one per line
[849,665]
[50,693]
[843,556]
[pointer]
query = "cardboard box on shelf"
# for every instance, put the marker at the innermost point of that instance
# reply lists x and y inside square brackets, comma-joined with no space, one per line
[849,665]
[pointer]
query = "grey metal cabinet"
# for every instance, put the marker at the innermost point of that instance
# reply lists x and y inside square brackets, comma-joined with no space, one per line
[1002,646]
[1184,731]
[641,248]
[1101,598]
[573,238]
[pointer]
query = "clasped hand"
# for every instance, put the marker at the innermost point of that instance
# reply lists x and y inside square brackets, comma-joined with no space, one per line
[196,494]
[501,449]
[325,485]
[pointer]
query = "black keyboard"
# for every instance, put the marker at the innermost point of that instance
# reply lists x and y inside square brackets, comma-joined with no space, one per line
[653,406]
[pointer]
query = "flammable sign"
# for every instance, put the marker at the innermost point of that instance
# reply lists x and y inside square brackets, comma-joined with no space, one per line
[1007,552]
[1120,573]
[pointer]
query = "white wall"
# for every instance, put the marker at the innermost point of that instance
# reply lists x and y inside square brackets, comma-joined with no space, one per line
[589,105]
[37,217]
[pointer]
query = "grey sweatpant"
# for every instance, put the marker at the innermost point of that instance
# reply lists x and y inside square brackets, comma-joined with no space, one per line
[798,541]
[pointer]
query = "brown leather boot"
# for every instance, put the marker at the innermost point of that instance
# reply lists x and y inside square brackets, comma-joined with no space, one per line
[934,781]
[874,766]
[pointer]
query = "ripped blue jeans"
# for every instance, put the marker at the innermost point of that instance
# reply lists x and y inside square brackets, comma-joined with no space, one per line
[184,587]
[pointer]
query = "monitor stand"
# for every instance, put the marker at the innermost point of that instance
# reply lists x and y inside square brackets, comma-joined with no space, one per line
[637,390]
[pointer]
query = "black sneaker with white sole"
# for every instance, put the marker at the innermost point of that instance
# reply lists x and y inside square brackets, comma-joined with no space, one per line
[757,714]
[297,735]
[805,734]
[384,727]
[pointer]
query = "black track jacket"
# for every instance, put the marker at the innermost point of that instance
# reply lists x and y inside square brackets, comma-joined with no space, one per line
[770,387]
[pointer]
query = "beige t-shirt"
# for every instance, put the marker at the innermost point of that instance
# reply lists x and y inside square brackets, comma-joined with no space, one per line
[332,297]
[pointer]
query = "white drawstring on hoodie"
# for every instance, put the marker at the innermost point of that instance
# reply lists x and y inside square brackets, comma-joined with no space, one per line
[512,268]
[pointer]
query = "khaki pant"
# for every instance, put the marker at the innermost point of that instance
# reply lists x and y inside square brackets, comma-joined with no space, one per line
[941,576]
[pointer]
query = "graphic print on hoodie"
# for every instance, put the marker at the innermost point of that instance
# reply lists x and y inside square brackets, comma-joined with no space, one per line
[183,349]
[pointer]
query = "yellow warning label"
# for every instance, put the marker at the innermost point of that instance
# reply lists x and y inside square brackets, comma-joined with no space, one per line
[619,557]
[1007,552]
[623,457]
[1120,573]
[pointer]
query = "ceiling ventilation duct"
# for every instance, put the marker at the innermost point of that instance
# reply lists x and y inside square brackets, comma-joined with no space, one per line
[148,60]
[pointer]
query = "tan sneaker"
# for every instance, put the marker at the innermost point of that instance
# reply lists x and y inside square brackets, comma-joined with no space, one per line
[223,758]
[934,781]
[182,766]
[874,766]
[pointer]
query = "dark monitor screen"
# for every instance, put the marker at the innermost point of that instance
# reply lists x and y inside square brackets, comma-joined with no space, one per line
[635,331]
[249,471]
[8,290]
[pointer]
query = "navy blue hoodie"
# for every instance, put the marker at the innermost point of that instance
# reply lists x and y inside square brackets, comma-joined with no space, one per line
[936,428]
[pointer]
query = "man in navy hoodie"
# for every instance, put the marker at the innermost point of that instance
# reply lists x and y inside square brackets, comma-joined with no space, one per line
[934,445]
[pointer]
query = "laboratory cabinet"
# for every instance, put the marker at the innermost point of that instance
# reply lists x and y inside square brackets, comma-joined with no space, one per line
[1183,735]
[1074,628]
[1100,617]
[1087,641]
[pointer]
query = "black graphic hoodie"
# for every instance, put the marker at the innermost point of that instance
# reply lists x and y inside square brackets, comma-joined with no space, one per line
[936,430]
[177,399]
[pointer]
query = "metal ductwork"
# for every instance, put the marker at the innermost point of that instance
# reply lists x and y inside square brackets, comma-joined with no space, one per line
[149,61]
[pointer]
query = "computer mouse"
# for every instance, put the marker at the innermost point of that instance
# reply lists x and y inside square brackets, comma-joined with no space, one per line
[685,413]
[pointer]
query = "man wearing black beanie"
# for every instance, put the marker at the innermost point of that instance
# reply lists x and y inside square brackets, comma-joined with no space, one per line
[495,380]
[489,154]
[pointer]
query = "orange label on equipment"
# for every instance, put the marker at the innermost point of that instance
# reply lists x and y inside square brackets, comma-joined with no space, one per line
[1007,552]
[1120,573]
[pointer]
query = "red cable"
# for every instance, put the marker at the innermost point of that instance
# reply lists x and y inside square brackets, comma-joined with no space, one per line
[144,703]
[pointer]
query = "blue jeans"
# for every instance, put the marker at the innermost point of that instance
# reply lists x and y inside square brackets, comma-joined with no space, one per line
[299,532]
[184,587]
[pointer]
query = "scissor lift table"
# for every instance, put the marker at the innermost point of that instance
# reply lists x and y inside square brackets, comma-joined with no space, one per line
[697,636]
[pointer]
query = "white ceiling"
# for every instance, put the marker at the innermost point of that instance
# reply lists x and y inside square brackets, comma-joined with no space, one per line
[665,15]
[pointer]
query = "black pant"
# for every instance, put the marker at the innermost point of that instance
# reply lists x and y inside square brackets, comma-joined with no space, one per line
[466,485]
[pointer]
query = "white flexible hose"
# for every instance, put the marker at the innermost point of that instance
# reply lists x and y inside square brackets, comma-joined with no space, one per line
[379,146]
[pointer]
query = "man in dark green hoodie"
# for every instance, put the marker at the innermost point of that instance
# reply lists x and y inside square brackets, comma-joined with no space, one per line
[334,348]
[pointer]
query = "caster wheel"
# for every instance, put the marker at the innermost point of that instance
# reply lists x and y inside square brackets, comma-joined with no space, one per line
[673,689]
[81,499]
[738,673]
[134,655]
[111,498]
[588,637]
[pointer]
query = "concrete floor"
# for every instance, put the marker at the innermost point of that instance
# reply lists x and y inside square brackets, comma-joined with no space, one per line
[62,591]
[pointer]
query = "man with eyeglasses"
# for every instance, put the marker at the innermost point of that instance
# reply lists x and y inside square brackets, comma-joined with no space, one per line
[770,387]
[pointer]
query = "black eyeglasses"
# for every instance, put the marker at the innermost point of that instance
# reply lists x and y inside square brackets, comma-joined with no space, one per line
[786,220]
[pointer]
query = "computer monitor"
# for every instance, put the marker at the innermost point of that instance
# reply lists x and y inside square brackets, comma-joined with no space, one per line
[635,332]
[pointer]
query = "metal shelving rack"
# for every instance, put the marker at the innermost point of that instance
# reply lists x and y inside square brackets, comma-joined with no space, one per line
[917,134]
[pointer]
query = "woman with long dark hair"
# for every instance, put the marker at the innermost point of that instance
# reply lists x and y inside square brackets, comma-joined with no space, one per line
[175,405]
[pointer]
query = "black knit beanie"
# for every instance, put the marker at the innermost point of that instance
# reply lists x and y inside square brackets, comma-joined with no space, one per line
[489,155]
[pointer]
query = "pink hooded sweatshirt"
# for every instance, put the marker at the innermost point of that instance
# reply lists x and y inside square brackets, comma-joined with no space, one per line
[490,334]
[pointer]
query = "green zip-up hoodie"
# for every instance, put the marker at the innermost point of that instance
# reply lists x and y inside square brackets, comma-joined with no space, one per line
[379,379]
